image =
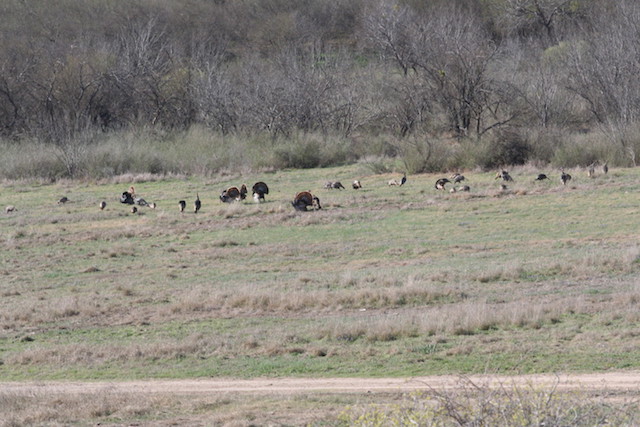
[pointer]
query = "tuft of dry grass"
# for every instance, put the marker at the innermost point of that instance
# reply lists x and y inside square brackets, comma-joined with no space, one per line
[475,403]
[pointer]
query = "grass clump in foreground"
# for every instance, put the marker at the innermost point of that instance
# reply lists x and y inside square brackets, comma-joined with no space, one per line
[477,404]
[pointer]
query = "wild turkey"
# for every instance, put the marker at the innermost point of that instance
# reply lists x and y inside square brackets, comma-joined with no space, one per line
[10,208]
[231,194]
[356,185]
[334,184]
[565,177]
[591,171]
[134,210]
[399,183]
[63,200]
[102,205]
[127,197]
[457,178]
[243,192]
[140,201]
[182,205]
[440,184]
[305,199]
[605,168]
[504,175]
[259,189]
[541,177]
[197,204]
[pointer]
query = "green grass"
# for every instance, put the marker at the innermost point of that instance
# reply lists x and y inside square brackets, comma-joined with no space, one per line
[382,281]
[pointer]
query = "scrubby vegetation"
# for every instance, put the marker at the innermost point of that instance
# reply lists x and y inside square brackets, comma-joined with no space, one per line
[96,89]
[478,404]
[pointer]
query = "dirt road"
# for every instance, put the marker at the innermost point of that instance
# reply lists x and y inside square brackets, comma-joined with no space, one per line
[627,383]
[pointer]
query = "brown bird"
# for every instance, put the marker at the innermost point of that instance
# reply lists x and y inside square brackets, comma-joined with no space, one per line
[183,205]
[233,194]
[259,189]
[197,204]
[102,205]
[305,199]
[334,184]
[399,183]
[457,178]
[504,175]
[440,184]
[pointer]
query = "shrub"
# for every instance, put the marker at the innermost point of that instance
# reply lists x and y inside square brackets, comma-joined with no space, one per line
[309,151]
[472,404]
[505,148]
[427,155]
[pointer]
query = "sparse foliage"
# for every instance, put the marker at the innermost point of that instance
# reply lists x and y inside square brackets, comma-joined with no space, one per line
[476,71]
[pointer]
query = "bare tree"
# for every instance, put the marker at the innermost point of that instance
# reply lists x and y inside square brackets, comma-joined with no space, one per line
[603,72]
[391,28]
[13,89]
[455,56]
[524,17]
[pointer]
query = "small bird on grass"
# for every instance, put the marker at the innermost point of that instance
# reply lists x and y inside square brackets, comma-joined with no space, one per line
[197,204]
[504,175]
[457,178]
[440,184]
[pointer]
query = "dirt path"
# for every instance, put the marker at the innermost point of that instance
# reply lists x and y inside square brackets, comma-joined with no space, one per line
[627,383]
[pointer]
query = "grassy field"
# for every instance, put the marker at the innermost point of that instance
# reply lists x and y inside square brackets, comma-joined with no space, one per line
[383,281]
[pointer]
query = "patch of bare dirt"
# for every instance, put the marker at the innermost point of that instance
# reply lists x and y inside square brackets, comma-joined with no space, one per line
[617,383]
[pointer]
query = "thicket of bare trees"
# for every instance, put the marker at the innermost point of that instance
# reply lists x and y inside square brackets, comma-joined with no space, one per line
[509,81]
